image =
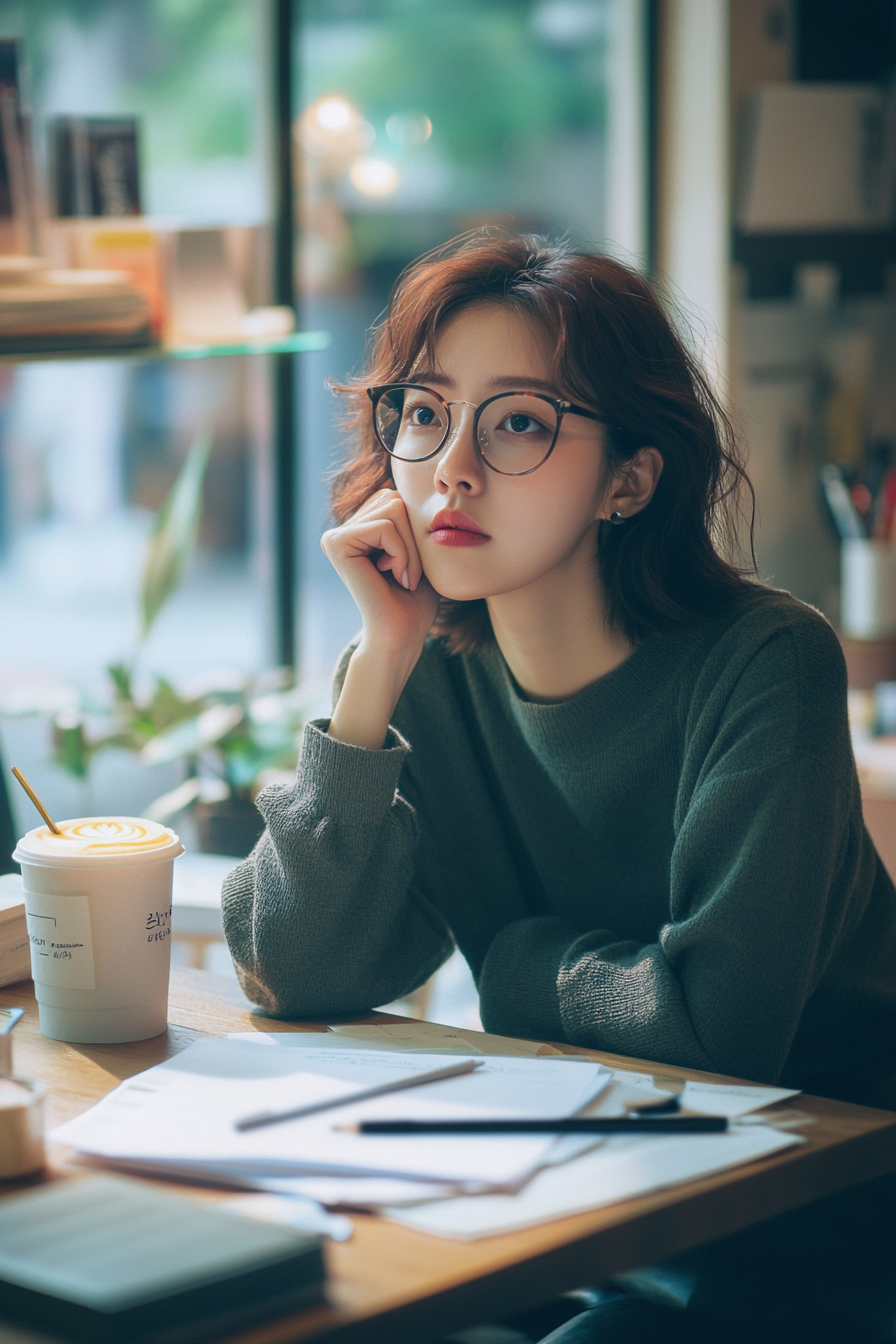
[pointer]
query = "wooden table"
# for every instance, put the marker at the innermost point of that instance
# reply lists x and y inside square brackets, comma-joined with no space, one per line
[390,1285]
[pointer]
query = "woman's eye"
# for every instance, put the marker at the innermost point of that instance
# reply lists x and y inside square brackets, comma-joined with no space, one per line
[422,416]
[522,424]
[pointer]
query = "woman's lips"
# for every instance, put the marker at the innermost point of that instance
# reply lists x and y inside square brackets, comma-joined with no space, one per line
[450,528]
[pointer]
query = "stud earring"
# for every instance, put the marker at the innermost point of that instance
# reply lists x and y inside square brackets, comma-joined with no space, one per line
[617,518]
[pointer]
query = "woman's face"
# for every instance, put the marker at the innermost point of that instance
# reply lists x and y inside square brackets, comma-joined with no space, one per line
[502,533]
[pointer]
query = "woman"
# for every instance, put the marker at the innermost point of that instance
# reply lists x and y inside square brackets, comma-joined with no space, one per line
[579,744]
[571,738]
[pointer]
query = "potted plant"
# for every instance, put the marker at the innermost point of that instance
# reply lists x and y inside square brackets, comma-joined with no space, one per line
[230,734]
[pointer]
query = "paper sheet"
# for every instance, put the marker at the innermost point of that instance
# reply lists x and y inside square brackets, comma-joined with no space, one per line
[291,1208]
[431,1036]
[731,1099]
[360,1192]
[180,1115]
[622,1168]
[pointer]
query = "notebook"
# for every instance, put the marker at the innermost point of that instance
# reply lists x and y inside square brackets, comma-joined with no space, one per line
[107,1259]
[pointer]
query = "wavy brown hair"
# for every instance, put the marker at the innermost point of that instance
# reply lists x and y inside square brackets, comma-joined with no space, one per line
[617,352]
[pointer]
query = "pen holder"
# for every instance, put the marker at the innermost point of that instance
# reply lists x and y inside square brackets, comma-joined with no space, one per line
[867,589]
[21,1127]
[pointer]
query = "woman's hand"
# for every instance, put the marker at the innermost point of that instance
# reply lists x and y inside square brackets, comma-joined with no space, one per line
[375,555]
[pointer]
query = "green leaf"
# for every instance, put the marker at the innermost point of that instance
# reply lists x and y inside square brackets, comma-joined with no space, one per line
[193,736]
[174,535]
[120,676]
[71,749]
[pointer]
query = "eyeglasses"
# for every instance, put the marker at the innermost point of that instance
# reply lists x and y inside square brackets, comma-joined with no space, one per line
[515,432]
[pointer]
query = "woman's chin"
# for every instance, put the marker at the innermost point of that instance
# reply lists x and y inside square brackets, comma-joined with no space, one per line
[456,592]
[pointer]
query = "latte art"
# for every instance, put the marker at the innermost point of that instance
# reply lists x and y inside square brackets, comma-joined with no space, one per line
[97,836]
[115,831]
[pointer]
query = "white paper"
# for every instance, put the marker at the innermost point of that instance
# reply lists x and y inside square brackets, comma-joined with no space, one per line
[61,940]
[431,1036]
[180,1115]
[622,1168]
[293,1210]
[731,1099]
[361,1192]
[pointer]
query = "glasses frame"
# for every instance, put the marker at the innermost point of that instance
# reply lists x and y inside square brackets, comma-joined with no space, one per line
[560,406]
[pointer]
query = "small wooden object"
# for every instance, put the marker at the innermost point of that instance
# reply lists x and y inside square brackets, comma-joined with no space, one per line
[21,1127]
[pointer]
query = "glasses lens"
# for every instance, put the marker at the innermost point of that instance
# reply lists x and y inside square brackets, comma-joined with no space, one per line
[411,422]
[516,432]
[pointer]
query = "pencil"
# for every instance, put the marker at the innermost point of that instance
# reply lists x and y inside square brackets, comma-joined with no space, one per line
[617,1124]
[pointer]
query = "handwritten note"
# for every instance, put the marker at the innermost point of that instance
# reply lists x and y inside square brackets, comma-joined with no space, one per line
[61,940]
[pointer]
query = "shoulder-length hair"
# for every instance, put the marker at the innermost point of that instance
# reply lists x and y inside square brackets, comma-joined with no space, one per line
[617,352]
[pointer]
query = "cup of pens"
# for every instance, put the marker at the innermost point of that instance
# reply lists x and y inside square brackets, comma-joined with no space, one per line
[867,588]
[866,524]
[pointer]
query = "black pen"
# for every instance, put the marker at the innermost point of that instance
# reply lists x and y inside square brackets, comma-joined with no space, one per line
[615,1124]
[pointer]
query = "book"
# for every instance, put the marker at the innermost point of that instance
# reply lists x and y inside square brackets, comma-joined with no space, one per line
[107,1259]
[96,166]
[18,197]
[817,157]
[15,953]
[132,246]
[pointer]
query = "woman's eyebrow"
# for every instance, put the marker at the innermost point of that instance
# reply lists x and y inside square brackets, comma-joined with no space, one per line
[431,376]
[510,383]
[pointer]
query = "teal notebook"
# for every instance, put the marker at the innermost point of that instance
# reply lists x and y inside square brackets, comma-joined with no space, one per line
[109,1259]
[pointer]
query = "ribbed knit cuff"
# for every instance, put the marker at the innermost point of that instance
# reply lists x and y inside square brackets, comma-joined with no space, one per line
[518,982]
[334,778]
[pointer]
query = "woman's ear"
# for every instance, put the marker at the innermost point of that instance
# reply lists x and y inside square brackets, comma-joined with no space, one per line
[633,485]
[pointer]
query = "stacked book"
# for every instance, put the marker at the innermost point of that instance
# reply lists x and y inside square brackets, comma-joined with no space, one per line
[15,957]
[42,308]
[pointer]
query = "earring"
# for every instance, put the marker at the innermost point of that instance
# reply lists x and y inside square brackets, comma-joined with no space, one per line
[617,518]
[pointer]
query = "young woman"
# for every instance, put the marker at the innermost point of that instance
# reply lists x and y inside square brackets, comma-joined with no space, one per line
[572,739]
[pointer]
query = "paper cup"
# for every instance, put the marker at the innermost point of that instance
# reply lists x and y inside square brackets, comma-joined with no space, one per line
[98,909]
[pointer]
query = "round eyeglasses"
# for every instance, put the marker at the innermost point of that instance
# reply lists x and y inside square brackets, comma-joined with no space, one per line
[515,432]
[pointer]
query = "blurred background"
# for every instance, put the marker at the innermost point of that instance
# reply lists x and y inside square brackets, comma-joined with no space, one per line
[742,152]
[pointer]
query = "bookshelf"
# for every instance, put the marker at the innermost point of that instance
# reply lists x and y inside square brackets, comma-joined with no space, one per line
[770,259]
[280,351]
[77,347]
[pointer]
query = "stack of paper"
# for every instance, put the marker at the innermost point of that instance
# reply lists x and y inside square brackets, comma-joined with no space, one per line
[15,953]
[606,1170]
[67,303]
[180,1117]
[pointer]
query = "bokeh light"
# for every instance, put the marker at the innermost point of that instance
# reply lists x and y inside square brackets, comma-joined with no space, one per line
[408,129]
[374,177]
[333,126]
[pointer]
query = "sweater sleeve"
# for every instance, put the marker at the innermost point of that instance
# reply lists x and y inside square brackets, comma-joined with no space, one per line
[322,918]
[769,852]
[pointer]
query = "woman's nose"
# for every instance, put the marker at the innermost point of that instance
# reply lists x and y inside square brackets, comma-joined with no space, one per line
[459,465]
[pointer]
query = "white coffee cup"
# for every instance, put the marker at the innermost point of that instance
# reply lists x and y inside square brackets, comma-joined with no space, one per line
[98,909]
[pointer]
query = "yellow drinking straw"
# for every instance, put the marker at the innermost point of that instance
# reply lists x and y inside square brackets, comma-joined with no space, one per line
[35,800]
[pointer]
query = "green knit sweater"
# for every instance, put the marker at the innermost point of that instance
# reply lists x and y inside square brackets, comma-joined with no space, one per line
[670,865]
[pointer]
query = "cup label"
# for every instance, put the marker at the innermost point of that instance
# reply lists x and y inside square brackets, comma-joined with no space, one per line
[61,942]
